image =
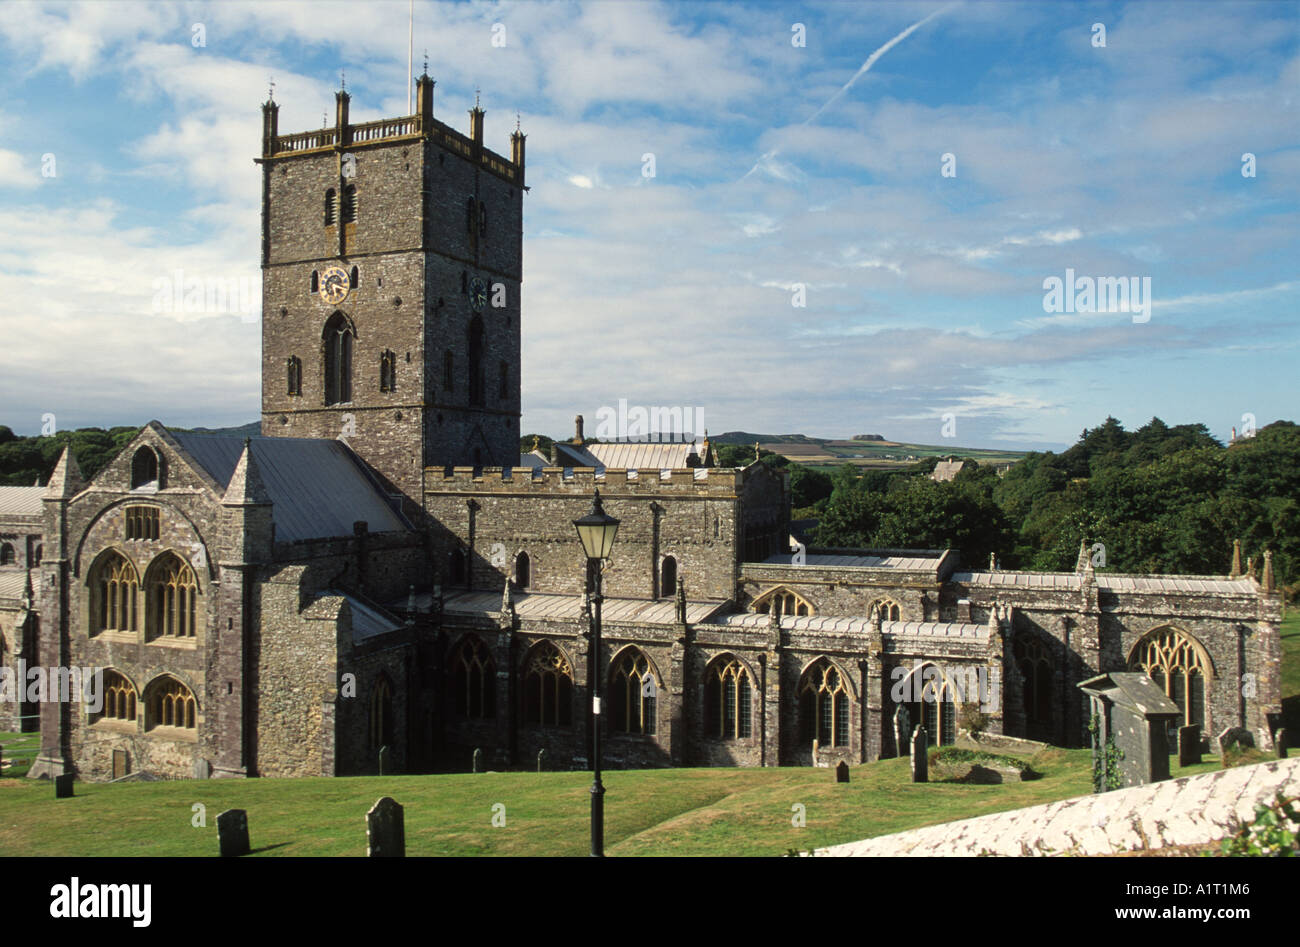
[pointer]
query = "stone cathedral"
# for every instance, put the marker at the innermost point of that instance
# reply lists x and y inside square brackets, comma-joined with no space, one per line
[383,568]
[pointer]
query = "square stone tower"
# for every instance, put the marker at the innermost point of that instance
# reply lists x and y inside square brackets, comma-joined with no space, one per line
[392,258]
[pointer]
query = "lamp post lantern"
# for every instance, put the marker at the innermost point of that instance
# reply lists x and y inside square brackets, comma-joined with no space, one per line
[596,532]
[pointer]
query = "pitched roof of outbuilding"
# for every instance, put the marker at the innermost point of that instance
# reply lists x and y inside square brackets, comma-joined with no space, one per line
[319,488]
[667,455]
[21,501]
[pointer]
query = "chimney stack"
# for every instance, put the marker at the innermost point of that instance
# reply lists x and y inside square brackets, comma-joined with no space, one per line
[577,430]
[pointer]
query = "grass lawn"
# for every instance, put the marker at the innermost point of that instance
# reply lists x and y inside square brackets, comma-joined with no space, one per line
[716,811]
[648,812]
[1289,632]
[17,751]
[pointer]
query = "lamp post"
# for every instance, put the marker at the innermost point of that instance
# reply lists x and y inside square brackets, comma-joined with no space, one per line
[596,532]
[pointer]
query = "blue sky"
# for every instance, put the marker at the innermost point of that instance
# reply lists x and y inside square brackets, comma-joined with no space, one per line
[924,293]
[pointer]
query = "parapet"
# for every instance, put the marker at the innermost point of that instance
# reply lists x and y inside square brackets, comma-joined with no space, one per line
[613,481]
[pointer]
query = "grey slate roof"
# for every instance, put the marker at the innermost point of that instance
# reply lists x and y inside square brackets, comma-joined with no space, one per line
[13,584]
[540,605]
[859,625]
[318,487]
[630,455]
[368,622]
[911,563]
[1110,581]
[21,501]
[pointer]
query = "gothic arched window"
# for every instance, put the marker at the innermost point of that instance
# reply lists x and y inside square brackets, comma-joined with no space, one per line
[293,369]
[348,208]
[145,469]
[457,568]
[474,680]
[668,576]
[548,687]
[381,713]
[728,700]
[113,588]
[784,601]
[1036,680]
[931,704]
[172,594]
[523,571]
[354,278]
[632,694]
[889,609]
[823,705]
[169,703]
[314,285]
[7,554]
[338,338]
[331,203]
[1180,665]
[119,698]
[388,371]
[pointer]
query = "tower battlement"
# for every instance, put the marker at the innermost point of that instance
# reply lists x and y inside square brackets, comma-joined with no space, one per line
[421,126]
[612,481]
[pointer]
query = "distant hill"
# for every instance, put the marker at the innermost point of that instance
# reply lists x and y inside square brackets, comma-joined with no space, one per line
[748,439]
[864,450]
[251,429]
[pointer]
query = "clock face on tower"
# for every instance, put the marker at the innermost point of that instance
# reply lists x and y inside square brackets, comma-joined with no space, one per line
[334,285]
[477,293]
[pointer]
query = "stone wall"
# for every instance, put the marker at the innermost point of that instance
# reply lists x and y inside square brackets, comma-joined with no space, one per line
[1187,811]
[494,517]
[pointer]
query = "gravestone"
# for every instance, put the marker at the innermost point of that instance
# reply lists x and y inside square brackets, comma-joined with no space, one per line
[1282,738]
[386,829]
[541,759]
[1236,736]
[476,765]
[202,768]
[385,762]
[902,727]
[841,772]
[1189,745]
[63,786]
[920,757]
[1132,743]
[232,833]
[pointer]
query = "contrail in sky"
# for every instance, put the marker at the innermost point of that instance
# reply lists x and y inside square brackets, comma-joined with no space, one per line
[862,71]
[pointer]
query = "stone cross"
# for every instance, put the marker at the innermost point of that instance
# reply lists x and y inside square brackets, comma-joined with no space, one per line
[386,829]
[902,727]
[232,833]
[385,761]
[1282,737]
[477,762]
[920,757]
[1189,745]
[63,786]
[841,772]
[541,759]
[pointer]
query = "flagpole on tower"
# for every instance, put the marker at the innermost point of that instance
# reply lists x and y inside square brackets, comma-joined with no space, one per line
[410,48]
